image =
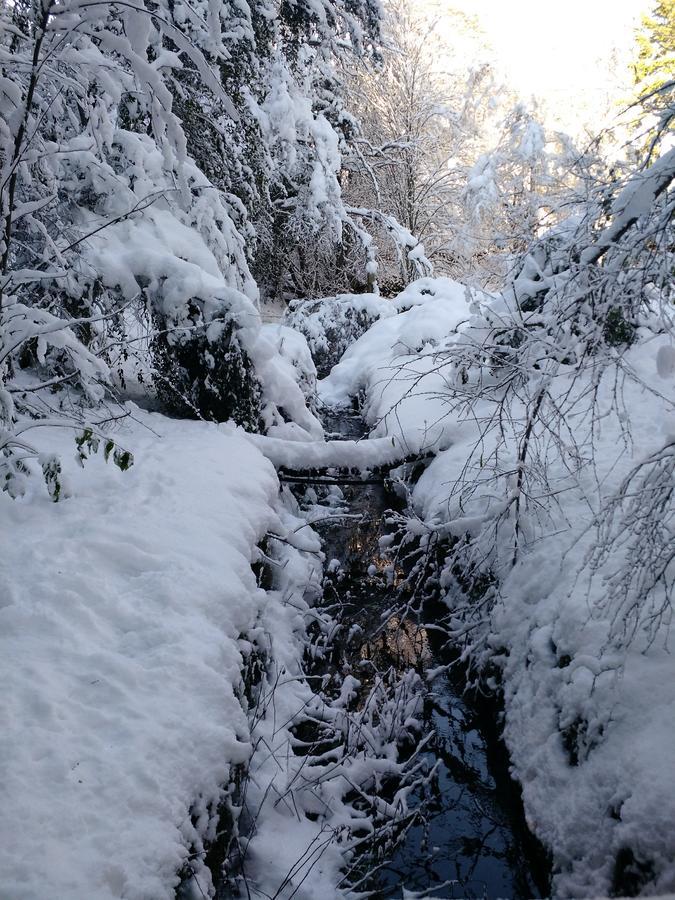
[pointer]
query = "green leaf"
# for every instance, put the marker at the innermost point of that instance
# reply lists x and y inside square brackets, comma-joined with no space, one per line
[51,469]
[84,438]
[123,459]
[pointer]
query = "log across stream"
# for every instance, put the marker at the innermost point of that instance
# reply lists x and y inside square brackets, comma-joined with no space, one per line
[473,838]
[470,839]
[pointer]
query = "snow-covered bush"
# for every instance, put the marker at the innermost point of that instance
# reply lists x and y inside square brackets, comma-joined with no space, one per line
[209,376]
[129,229]
[332,324]
[288,384]
[293,348]
[424,316]
[544,524]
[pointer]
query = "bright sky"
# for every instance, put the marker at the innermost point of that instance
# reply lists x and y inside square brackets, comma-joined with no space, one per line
[571,53]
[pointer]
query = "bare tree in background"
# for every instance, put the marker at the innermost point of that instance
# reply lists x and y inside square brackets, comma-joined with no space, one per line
[422,127]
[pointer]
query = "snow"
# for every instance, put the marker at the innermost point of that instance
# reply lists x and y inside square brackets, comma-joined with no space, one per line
[620,793]
[129,612]
[636,199]
[23,323]
[287,375]
[301,141]
[388,364]
[565,666]
[331,324]
[363,455]
[122,610]
[172,256]
[129,607]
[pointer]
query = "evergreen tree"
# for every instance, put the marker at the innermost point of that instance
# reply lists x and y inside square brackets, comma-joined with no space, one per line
[142,150]
[654,68]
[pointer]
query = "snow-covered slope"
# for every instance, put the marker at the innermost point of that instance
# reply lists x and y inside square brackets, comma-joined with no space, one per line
[589,706]
[121,613]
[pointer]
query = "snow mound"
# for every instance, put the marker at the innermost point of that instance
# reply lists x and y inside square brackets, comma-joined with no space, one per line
[362,455]
[287,374]
[393,365]
[119,624]
[331,324]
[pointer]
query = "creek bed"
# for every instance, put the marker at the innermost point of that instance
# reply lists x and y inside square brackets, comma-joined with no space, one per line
[472,840]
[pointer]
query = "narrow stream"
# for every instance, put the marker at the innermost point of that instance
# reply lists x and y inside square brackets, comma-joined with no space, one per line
[473,841]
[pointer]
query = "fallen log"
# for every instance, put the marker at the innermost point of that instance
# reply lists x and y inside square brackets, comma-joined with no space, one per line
[302,458]
[329,480]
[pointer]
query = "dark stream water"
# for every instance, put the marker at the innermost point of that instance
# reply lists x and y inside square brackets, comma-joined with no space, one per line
[473,841]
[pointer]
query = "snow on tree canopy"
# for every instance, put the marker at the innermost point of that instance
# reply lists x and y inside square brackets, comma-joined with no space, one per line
[150,160]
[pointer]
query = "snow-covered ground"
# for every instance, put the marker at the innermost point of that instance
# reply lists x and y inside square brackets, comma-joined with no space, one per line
[130,616]
[590,718]
[122,609]
[129,609]
[126,612]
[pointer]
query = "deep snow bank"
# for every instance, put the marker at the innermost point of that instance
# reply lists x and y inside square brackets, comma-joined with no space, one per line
[122,610]
[589,714]
[332,324]
[394,368]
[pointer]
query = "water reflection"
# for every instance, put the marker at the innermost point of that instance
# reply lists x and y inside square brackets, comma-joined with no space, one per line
[403,644]
[472,842]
